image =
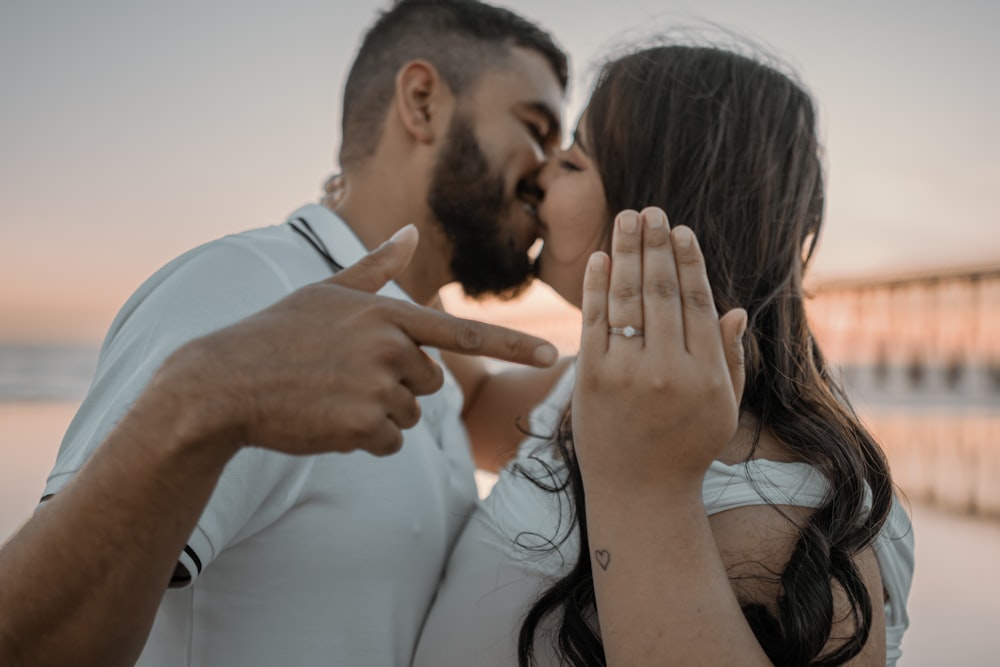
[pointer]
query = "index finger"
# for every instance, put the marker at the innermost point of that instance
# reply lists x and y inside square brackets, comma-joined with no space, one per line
[434,328]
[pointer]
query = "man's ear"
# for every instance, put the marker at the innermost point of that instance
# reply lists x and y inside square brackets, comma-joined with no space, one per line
[423,100]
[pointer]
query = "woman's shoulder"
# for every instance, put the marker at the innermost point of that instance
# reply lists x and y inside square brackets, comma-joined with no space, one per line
[757,469]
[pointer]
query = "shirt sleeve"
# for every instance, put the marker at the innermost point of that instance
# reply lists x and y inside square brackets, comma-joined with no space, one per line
[206,289]
[257,487]
[761,481]
[894,550]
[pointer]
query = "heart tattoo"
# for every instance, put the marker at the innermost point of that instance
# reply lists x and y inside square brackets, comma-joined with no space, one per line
[603,558]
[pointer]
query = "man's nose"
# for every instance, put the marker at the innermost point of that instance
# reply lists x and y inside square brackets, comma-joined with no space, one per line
[546,171]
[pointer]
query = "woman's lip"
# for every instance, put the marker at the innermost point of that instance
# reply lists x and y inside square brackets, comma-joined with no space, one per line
[538,218]
[532,211]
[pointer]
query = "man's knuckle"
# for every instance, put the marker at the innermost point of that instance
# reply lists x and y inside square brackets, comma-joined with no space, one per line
[383,389]
[394,443]
[469,335]
[513,344]
[389,354]
[433,379]
[412,415]
[365,421]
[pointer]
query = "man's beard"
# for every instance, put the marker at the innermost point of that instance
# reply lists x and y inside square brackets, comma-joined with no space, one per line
[468,202]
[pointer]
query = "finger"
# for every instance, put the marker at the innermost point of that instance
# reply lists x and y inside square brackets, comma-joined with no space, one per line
[661,300]
[387,440]
[733,326]
[625,291]
[364,425]
[382,264]
[594,334]
[419,373]
[701,320]
[427,326]
[403,407]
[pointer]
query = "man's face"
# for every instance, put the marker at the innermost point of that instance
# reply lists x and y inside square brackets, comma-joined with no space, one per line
[482,190]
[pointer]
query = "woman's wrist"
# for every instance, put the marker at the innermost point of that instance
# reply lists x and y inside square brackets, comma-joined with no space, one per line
[617,494]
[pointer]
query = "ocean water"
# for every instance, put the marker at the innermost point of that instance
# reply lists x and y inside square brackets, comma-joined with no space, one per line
[41,387]
[45,372]
[954,607]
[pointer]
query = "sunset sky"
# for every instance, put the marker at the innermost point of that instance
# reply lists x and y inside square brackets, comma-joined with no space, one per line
[132,131]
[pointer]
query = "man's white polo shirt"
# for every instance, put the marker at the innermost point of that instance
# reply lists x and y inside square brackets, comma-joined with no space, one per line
[321,560]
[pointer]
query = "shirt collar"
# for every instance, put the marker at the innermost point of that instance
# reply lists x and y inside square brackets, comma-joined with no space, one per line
[341,241]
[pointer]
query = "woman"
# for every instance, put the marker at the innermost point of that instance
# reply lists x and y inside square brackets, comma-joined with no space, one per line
[804,541]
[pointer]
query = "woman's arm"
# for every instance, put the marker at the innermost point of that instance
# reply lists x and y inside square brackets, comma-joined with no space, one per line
[500,406]
[650,413]
[498,402]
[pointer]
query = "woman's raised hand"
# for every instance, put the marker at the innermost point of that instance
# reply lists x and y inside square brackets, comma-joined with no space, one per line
[659,375]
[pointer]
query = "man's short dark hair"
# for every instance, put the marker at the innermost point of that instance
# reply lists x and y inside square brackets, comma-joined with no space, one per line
[461,38]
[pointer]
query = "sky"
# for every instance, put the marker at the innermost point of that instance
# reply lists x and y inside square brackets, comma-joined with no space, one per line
[133,131]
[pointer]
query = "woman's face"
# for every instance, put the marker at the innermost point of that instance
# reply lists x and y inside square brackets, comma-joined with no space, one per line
[574,217]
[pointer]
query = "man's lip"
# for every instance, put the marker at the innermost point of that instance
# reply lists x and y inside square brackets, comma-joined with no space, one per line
[531,208]
[529,194]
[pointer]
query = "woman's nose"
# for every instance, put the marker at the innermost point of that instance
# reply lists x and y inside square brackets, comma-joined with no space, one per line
[548,170]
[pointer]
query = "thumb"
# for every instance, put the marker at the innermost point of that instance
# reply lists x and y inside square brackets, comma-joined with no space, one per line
[382,264]
[734,325]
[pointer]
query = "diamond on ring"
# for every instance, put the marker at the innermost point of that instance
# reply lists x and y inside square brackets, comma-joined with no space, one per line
[627,331]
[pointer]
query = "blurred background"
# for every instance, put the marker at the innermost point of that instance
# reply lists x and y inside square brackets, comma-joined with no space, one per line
[133,131]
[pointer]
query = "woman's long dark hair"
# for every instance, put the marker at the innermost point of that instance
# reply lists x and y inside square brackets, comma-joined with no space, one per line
[728,146]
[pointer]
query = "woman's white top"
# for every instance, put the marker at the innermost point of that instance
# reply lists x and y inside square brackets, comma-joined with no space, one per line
[509,552]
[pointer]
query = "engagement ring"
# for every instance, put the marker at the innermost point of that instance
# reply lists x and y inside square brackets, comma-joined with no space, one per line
[629,331]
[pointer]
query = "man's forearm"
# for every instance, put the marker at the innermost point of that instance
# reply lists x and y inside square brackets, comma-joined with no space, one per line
[319,371]
[81,581]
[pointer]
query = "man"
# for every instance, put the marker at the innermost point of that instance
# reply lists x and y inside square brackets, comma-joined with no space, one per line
[234,350]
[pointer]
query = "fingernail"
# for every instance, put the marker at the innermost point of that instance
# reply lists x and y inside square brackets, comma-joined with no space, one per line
[655,219]
[546,355]
[628,222]
[402,233]
[683,237]
[597,262]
